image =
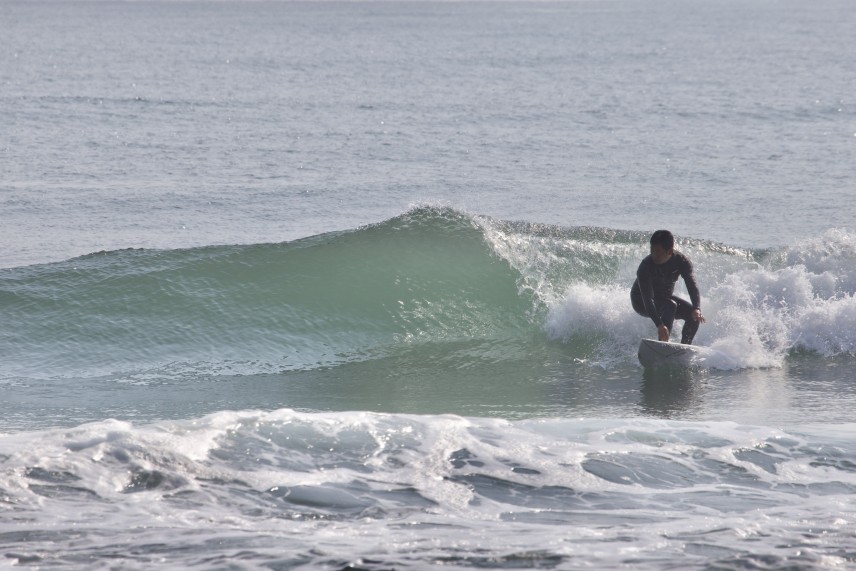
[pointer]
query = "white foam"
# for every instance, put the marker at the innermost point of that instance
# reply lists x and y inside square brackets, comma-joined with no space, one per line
[782,310]
[597,313]
[832,252]
[799,299]
[365,479]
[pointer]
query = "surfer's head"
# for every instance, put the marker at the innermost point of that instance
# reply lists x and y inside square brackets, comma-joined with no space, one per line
[662,246]
[663,238]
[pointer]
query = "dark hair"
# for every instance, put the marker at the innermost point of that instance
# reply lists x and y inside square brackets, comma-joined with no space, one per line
[663,238]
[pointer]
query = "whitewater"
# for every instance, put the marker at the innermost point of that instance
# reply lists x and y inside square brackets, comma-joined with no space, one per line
[345,286]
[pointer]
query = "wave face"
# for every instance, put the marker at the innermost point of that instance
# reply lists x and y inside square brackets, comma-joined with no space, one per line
[432,286]
[425,277]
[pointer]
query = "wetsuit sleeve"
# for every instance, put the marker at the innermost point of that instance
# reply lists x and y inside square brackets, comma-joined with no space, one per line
[692,286]
[646,288]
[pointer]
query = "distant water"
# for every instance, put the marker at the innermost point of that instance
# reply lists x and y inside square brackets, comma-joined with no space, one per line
[178,124]
[297,285]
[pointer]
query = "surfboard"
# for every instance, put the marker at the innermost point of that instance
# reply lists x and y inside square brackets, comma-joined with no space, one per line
[654,353]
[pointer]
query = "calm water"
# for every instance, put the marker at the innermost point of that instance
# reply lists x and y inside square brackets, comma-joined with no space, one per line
[188,124]
[297,285]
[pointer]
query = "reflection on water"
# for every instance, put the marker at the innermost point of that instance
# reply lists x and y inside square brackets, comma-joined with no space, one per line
[670,392]
[807,389]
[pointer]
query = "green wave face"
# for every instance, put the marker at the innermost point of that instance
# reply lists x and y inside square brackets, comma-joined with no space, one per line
[427,276]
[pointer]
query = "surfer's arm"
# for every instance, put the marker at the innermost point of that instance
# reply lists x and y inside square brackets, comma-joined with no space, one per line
[692,289]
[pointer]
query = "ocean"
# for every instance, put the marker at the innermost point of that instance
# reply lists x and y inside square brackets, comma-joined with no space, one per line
[345,285]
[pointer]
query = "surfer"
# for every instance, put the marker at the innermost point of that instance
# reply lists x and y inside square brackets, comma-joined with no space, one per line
[652,293]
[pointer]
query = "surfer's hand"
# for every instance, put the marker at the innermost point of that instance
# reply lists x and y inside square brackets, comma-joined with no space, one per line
[663,332]
[697,316]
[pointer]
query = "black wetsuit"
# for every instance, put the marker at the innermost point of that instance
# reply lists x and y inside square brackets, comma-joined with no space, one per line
[652,294]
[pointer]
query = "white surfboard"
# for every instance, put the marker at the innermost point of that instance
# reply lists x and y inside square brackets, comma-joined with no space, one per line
[661,353]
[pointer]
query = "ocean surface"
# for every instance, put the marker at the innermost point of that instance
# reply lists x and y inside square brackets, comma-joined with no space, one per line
[345,285]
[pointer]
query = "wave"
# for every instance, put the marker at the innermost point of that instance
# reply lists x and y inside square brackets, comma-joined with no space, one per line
[405,289]
[252,486]
[426,276]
